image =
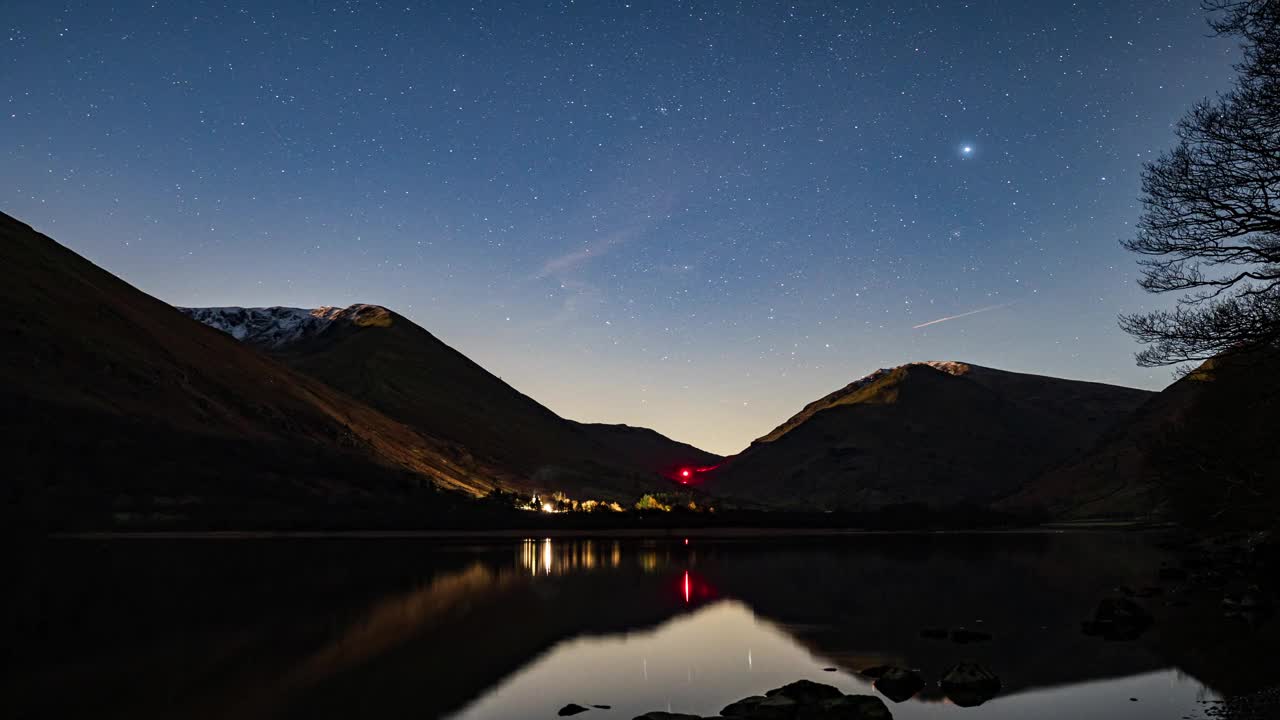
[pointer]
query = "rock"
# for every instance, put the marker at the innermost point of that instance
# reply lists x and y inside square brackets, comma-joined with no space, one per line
[744,707]
[964,637]
[657,715]
[830,669]
[970,684]
[847,707]
[777,707]
[934,633]
[1118,619]
[571,709]
[899,684]
[874,671]
[807,692]
[1250,606]
[602,707]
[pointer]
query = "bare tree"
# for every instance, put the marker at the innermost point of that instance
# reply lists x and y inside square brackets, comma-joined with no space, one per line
[1210,227]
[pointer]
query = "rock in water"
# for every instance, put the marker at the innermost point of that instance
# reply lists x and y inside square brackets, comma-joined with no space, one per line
[807,692]
[970,684]
[571,709]
[847,707]
[899,684]
[744,707]
[1118,618]
[964,637]
[778,707]
[656,715]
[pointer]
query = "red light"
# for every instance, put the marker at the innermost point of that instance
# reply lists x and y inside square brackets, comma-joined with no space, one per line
[686,587]
[685,473]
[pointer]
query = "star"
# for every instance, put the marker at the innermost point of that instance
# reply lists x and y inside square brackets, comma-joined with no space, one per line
[966,150]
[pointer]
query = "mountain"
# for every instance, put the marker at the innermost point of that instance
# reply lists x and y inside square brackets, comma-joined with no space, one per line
[119,408]
[392,364]
[940,433]
[1199,451]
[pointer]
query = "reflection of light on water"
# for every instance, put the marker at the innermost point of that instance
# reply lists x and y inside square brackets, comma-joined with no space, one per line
[749,663]
[545,557]
[529,556]
[686,587]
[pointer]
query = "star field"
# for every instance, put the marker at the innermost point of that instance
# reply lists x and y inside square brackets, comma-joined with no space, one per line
[692,216]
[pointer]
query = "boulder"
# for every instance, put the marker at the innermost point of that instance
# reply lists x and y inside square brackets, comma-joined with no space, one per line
[571,709]
[807,692]
[899,684]
[970,684]
[964,637]
[743,708]
[777,707]
[846,707]
[1118,619]
[658,715]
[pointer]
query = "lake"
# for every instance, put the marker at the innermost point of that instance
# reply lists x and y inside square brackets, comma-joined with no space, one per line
[507,629]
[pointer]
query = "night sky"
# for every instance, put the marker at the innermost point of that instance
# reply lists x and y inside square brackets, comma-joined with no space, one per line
[696,217]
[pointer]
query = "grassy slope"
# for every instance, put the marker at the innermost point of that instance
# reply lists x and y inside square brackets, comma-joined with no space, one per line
[116,397]
[398,367]
[919,434]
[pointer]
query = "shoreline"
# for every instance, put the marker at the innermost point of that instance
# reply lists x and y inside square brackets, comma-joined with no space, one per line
[729,533]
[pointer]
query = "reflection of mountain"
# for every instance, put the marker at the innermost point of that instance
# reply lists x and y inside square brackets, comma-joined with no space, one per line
[409,628]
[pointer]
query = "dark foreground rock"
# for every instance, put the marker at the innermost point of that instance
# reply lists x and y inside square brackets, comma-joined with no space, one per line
[571,709]
[801,700]
[807,692]
[970,684]
[899,684]
[964,636]
[1118,618]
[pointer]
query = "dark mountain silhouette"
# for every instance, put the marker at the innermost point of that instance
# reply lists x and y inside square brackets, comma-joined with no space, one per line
[387,361]
[119,408]
[1200,451]
[939,433]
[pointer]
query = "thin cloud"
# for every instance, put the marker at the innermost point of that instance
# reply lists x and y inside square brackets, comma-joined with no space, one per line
[961,315]
[570,261]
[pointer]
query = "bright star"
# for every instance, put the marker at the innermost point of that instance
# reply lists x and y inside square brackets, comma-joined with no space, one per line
[967,149]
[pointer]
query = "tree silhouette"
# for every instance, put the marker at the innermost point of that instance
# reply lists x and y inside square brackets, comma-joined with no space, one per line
[1210,227]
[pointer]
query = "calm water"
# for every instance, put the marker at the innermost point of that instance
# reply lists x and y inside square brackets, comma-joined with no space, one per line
[420,628]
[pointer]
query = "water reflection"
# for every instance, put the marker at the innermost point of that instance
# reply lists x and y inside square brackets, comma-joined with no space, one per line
[400,628]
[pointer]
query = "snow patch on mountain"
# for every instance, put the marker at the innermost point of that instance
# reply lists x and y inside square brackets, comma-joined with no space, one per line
[270,327]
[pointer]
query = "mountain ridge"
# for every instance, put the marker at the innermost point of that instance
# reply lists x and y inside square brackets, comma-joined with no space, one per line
[388,361]
[935,432]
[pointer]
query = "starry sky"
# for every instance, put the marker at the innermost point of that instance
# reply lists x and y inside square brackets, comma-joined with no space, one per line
[694,216]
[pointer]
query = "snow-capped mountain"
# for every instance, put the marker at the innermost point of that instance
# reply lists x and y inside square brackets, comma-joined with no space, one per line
[276,327]
[265,326]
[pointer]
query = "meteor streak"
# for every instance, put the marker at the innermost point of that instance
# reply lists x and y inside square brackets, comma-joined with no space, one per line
[963,314]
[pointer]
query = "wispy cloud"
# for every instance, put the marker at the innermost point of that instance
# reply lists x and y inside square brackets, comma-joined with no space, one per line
[961,315]
[570,261]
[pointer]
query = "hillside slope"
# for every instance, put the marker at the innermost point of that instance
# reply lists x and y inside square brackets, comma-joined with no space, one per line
[396,366]
[1200,451]
[119,406]
[939,433]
